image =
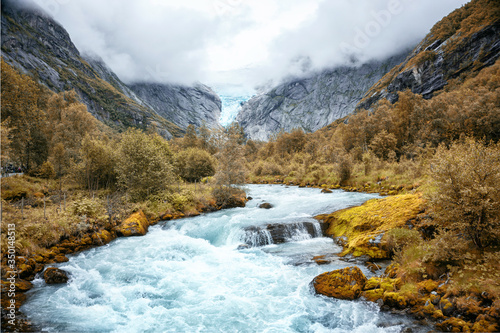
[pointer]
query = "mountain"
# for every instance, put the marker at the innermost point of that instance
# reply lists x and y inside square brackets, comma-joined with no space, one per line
[198,105]
[458,46]
[34,43]
[313,102]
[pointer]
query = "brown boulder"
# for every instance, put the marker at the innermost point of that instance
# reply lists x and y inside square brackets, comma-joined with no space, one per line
[136,225]
[102,237]
[346,283]
[19,285]
[266,205]
[54,275]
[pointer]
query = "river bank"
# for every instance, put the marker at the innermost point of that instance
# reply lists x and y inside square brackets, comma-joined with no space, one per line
[421,282]
[192,253]
[18,271]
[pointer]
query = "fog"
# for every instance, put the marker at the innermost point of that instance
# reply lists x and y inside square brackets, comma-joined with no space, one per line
[241,44]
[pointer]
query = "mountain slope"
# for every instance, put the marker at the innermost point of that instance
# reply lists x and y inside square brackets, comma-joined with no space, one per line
[313,102]
[196,105]
[34,43]
[460,45]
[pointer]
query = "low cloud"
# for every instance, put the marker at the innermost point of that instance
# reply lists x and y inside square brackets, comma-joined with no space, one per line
[241,43]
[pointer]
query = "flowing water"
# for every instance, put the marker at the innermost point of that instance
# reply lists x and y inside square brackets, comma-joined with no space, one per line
[189,275]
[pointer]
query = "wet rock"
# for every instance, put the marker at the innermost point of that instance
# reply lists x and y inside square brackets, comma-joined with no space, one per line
[54,275]
[136,225]
[18,284]
[102,237]
[321,260]
[266,205]
[280,233]
[346,283]
[249,198]
[454,325]
[325,190]
[243,247]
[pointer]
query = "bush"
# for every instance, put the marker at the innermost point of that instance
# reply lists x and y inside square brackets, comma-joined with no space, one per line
[466,196]
[194,164]
[87,206]
[46,171]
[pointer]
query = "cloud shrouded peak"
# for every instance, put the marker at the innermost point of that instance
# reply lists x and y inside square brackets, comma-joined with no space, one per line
[241,43]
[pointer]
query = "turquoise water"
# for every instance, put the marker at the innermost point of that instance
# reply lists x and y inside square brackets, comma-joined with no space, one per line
[189,276]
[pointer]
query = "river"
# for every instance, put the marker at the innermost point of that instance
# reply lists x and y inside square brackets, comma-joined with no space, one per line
[188,275]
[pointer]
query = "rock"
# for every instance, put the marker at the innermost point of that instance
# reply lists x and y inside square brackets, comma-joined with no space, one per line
[60,258]
[249,198]
[426,76]
[279,233]
[54,275]
[102,237]
[265,205]
[454,325]
[243,247]
[311,102]
[197,105]
[346,283]
[485,323]
[320,260]
[136,225]
[427,286]
[325,190]
[19,285]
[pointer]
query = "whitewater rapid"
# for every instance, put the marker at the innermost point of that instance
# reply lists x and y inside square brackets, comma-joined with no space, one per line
[189,276]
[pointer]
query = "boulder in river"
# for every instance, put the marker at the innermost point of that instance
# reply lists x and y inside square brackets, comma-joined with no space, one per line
[325,190]
[265,205]
[346,283]
[54,275]
[136,225]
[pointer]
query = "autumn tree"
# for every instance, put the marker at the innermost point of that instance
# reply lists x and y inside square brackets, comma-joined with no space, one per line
[383,144]
[20,105]
[145,164]
[230,171]
[193,164]
[98,161]
[466,195]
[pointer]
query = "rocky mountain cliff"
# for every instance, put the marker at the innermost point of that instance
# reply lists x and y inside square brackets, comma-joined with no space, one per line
[198,105]
[460,45]
[36,44]
[313,102]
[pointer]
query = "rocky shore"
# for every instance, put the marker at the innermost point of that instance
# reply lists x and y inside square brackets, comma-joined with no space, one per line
[365,233]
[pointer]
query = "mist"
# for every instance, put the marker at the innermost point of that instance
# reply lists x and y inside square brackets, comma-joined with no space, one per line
[240,45]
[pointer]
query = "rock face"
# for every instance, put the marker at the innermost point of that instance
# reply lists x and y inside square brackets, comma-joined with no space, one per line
[346,283]
[313,102]
[198,105]
[35,44]
[54,275]
[440,58]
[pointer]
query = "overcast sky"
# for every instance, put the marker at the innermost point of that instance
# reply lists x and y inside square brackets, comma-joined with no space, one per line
[241,43]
